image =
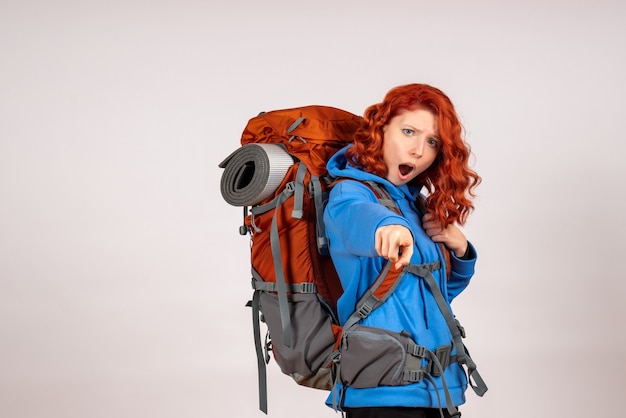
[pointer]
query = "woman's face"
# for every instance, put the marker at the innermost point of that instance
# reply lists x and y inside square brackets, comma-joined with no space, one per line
[410,145]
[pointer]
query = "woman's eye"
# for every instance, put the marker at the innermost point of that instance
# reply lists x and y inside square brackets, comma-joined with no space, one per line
[433,142]
[408,131]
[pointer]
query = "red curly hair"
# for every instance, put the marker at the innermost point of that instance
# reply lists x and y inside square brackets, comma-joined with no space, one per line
[449,180]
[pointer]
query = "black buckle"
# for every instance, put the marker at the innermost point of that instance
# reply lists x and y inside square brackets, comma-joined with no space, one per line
[443,355]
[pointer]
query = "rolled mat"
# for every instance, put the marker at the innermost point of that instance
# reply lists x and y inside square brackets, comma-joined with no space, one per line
[253,172]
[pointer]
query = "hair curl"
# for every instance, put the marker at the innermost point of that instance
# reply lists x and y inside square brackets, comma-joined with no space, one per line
[449,180]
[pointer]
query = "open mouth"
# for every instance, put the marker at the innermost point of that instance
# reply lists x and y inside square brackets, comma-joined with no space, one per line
[405,169]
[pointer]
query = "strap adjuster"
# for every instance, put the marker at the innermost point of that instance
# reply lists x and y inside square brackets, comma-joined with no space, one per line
[413,376]
[308,287]
[460,327]
[417,350]
[365,310]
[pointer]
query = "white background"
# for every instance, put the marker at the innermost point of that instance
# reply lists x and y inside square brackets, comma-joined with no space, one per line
[122,275]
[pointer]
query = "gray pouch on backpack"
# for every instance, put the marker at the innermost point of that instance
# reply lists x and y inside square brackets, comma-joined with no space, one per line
[372,357]
[308,359]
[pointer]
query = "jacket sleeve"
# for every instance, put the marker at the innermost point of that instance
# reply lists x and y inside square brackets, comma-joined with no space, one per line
[462,272]
[352,216]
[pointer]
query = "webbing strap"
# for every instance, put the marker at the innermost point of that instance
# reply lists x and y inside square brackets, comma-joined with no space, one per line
[305,287]
[295,124]
[433,368]
[418,270]
[449,403]
[478,385]
[278,268]
[295,188]
[383,197]
[421,351]
[256,210]
[452,411]
[262,372]
[299,192]
[368,301]
[445,253]
[322,240]
[337,398]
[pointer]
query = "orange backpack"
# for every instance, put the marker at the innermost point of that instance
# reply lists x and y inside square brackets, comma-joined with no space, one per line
[280,179]
[280,173]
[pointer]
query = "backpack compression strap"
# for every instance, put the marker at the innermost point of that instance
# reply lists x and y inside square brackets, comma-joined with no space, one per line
[296,189]
[280,286]
[261,359]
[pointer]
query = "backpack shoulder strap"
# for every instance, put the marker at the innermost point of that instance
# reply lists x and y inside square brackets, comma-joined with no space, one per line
[385,199]
[445,252]
[376,295]
[475,380]
[389,277]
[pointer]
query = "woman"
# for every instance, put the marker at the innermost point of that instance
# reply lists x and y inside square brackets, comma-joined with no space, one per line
[409,142]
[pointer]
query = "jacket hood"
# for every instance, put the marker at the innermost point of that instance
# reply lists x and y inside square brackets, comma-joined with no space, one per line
[338,167]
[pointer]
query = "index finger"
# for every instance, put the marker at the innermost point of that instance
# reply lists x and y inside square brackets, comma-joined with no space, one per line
[405,258]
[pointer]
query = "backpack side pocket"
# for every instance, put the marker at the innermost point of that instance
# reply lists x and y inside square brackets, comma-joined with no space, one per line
[313,338]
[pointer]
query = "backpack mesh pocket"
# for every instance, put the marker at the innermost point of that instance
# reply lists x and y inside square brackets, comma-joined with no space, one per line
[312,338]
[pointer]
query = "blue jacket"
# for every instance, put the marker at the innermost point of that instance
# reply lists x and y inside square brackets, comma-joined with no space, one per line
[352,216]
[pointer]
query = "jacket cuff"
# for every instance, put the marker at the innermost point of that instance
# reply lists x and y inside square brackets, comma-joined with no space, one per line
[465,265]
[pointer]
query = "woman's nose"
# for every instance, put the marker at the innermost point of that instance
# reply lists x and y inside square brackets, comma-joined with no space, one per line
[418,147]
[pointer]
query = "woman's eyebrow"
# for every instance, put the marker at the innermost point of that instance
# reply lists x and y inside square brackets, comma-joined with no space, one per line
[413,128]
